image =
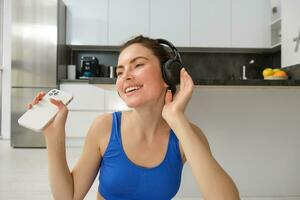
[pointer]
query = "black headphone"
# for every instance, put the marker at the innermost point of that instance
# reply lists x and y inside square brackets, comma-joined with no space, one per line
[171,68]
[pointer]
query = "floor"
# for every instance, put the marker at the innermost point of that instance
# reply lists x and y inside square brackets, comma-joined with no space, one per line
[23,174]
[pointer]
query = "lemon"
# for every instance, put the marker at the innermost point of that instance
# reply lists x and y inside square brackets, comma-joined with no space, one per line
[268,72]
[276,70]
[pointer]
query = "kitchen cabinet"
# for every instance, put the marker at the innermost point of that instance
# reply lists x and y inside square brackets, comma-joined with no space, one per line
[210,23]
[251,23]
[170,19]
[275,23]
[79,122]
[127,19]
[89,102]
[290,45]
[87,22]
[82,99]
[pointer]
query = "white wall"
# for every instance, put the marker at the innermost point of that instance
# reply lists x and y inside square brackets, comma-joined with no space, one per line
[254,133]
[6,76]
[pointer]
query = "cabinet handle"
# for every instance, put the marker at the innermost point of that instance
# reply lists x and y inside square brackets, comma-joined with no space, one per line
[297,40]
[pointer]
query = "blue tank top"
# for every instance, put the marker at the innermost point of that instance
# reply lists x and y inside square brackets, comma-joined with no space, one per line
[121,179]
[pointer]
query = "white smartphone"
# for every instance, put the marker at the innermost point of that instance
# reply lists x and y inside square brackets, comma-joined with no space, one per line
[44,111]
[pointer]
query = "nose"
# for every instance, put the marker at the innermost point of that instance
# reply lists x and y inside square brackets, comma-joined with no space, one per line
[128,75]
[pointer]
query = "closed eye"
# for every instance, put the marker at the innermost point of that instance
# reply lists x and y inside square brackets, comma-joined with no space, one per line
[119,73]
[139,65]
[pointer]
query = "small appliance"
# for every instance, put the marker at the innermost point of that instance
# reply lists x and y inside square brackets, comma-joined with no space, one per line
[89,67]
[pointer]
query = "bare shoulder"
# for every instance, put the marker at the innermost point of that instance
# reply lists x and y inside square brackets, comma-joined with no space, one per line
[100,130]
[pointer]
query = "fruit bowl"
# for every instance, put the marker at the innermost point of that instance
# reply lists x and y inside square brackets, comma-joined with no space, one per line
[276,78]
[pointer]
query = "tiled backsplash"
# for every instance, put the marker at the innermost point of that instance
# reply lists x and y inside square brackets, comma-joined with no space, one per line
[204,66]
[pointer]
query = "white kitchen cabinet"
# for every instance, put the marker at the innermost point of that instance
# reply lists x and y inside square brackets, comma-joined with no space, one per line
[251,23]
[170,19]
[127,19]
[89,102]
[290,45]
[211,23]
[112,101]
[85,96]
[79,122]
[87,22]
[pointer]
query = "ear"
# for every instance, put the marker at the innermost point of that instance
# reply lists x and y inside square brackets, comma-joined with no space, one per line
[166,85]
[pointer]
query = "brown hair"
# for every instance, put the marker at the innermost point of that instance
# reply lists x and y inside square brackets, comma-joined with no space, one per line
[157,49]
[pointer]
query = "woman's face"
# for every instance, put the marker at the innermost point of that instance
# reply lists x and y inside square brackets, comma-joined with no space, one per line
[139,76]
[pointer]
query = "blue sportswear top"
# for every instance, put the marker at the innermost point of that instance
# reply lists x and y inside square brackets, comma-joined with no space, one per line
[121,179]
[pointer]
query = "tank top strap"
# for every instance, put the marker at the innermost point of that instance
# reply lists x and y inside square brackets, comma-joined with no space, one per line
[117,125]
[174,147]
[114,140]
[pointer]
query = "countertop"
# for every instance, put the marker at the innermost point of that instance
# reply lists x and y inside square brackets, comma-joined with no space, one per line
[249,82]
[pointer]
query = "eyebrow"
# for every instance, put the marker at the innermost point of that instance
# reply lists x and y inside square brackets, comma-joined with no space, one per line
[131,61]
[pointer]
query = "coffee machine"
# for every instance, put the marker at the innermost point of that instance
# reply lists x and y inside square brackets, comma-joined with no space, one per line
[89,67]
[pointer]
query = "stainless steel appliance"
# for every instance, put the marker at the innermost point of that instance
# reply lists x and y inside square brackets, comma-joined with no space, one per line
[38,59]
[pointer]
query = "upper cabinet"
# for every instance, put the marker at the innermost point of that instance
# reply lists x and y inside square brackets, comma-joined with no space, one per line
[127,18]
[211,23]
[186,23]
[251,23]
[170,19]
[87,22]
[290,28]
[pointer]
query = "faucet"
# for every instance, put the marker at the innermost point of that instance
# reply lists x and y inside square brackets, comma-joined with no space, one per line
[243,76]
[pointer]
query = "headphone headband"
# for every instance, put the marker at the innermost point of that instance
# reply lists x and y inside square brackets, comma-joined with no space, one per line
[171,46]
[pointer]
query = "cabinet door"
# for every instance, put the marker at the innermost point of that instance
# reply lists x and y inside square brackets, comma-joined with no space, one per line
[251,23]
[211,23]
[170,19]
[290,47]
[79,122]
[127,19]
[87,22]
[85,96]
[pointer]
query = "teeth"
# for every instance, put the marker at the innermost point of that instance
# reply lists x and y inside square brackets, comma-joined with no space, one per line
[132,88]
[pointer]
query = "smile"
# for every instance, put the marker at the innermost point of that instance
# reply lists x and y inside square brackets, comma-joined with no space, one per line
[131,89]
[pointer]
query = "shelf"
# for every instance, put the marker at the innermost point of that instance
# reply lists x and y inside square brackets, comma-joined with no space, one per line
[278,45]
[276,24]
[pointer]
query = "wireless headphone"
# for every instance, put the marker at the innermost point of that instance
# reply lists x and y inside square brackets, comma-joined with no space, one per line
[171,68]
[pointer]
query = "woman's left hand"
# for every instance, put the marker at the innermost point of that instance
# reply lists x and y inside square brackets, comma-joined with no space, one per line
[177,105]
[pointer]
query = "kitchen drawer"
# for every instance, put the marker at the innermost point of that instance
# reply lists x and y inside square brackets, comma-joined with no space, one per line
[86,97]
[78,122]
[112,101]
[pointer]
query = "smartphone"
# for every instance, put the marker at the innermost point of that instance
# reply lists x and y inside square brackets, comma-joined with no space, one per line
[44,111]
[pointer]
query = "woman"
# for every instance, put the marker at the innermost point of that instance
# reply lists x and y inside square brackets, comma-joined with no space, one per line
[139,153]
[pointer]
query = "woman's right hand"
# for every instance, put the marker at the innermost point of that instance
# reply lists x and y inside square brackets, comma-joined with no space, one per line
[57,125]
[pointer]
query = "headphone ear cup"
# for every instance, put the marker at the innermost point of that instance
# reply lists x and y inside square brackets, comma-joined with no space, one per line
[171,72]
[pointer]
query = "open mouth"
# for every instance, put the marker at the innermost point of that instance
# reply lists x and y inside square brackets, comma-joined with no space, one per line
[132,89]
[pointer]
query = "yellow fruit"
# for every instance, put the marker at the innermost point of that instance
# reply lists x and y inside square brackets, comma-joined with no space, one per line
[280,73]
[268,72]
[276,70]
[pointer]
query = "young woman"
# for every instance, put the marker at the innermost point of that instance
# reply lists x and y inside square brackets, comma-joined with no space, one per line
[139,154]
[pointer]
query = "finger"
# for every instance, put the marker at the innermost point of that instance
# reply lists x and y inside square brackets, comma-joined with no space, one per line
[168,97]
[38,97]
[182,84]
[29,106]
[188,80]
[58,103]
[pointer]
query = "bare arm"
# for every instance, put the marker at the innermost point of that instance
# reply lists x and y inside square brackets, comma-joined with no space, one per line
[213,181]
[75,184]
[65,184]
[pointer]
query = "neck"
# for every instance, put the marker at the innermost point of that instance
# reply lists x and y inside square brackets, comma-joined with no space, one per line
[148,120]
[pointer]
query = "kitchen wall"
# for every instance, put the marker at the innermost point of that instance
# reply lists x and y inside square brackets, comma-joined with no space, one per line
[254,134]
